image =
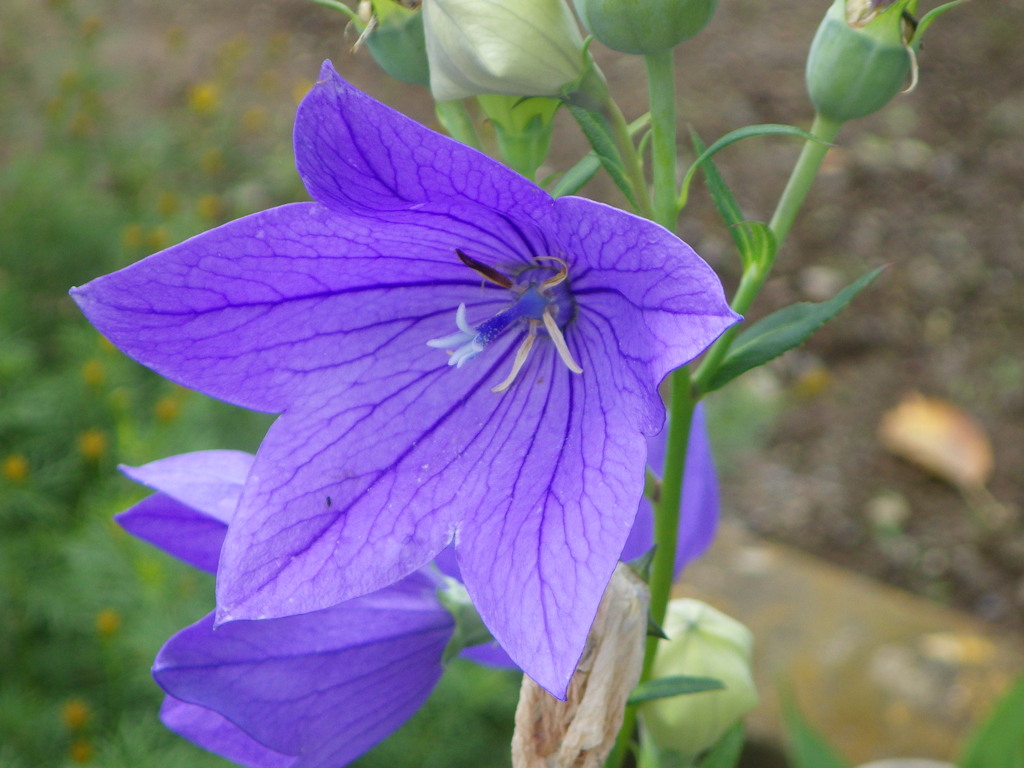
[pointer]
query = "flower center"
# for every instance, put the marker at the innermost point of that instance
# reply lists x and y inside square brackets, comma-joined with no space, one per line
[533,304]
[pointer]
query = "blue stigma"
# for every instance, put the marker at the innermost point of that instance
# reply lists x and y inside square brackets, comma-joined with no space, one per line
[470,341]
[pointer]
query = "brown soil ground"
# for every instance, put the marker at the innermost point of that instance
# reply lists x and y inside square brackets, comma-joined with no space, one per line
[933,185]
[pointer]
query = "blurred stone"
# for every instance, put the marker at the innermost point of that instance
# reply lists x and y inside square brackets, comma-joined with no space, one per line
[879,671]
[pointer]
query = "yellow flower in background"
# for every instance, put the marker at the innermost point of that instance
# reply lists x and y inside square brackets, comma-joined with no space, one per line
[93,373]
[92,444]
[210,207]
[167,409]
[108,621]
[15,468]
[204,98]
[75,714]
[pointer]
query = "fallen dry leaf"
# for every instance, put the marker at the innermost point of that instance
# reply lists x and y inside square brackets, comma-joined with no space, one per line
[937,436]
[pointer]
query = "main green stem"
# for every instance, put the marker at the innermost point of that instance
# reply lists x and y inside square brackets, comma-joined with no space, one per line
[661,87]
[661,79]
[793,196]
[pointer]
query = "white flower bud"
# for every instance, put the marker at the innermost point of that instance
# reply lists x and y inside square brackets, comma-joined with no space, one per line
[703,642]
[521,48]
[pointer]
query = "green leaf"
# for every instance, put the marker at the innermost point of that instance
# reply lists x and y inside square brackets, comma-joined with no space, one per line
[601,139]
[572,181]
[754,240]
[999,740]
[767,129]
[759,241]
[928,18]
[726,753]
[805,747]
[337,6]
[782,331]
[677,685]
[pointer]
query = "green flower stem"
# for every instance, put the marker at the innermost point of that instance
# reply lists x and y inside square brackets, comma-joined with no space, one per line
[793,196]
[666,535]
[800,180]
[666,516]
[456,120]
[661,85]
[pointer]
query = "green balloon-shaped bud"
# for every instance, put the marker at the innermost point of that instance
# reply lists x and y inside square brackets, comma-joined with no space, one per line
[861,57]
[644,26]
[703,642]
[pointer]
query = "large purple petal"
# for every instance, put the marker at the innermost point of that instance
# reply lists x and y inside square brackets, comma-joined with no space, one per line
[323,687]
[208,481]
[181,531]
[698,514]
[300,298]
[354,152]
[215,734]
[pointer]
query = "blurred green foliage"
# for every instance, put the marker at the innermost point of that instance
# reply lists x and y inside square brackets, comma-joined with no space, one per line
[83,607]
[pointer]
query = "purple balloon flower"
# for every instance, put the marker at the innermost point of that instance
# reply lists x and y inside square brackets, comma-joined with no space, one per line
[525,447]
[315,690]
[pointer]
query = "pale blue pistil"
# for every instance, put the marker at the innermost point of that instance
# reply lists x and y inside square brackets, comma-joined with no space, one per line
[470,341]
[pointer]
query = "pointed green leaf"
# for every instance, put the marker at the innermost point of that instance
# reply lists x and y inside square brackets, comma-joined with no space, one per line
[603,142]
[754,240]
[338,6]
[722,196]
[999,740]
[782,331]
[767,129]
[573,180]
[805,747]
[654,628]
[726,753]
[928,18]
[677,685]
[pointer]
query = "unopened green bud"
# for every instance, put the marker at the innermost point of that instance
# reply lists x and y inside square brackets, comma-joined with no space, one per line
[521,48]
[395,40]
[644,26]
[861,57]
[704,642]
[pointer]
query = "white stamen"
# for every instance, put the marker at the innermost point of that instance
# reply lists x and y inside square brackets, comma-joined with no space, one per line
[556,336]
[521,354]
